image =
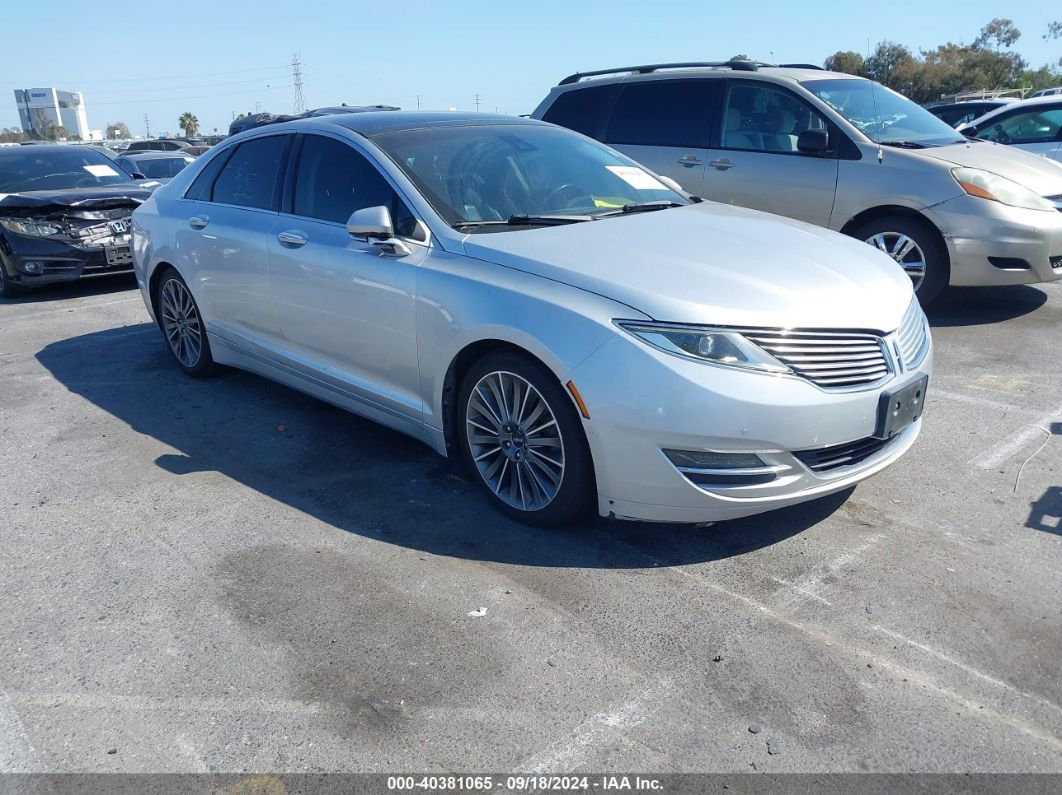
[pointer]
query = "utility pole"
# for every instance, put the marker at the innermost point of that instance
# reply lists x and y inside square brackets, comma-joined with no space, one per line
[296,79]
[477,103]
[418,101]
[257,106]
[147,127]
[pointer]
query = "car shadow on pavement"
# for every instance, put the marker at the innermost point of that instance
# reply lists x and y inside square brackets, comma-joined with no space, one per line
[84,288]
[358,476]
[973,306]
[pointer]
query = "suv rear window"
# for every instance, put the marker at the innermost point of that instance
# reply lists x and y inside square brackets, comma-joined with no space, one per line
[664,113]
[584,110]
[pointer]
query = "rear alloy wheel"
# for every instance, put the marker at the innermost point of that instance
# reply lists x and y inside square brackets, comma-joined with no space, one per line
[523,441]
[913,244]
[183,328]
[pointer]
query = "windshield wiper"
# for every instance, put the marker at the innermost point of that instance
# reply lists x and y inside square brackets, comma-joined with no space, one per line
[904,144]
[640,207]
[523,219]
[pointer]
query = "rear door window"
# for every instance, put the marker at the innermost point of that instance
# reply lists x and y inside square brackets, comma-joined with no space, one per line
[251,177]
[664,113]
[584,110]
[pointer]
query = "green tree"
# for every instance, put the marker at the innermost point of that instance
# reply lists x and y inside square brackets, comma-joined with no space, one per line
[118,129]
[189,123]
[846,61]
[999,34]
[9,135]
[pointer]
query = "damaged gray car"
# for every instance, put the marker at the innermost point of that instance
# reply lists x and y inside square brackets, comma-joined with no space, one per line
[64,215]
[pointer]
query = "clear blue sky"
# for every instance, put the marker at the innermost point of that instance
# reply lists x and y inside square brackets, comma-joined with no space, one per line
[218,57]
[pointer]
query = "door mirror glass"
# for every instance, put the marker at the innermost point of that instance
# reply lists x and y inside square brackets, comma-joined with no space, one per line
[373,223]
[813,142]
[969,132]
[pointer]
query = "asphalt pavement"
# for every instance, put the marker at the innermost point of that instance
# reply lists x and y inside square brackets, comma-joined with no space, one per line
[226,575]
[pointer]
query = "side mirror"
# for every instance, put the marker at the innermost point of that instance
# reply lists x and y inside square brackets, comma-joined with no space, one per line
[969,132]
[138,175]
[813,142]
[374,225]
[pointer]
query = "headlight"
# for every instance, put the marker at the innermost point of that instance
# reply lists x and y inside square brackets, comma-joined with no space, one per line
[986,185]
[29,228]
[715,346]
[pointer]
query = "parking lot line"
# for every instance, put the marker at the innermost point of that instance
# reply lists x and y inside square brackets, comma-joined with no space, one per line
[958,397]
[19,755]
[1001,452]
[844,645]
[572,751]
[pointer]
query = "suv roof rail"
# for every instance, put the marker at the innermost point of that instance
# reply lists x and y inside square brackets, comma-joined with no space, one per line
[802,66]
[738,65]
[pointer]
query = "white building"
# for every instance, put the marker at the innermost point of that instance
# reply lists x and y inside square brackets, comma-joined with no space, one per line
[40,108]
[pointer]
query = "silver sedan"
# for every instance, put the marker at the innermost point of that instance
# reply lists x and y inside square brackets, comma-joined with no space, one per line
[574,327]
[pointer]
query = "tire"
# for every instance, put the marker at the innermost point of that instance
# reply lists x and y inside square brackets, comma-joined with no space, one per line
[503,406]
[182,326]
[891,233]
[8,288]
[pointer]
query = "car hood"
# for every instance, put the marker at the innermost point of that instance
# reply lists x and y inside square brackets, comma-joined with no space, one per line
[1035,172]
[714,264]
[42,203]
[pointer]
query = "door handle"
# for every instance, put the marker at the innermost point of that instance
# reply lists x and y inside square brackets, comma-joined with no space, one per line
[292,238]
[721,164]
[198,221]
[689,161]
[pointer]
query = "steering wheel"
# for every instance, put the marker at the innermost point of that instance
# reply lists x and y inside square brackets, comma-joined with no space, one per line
[568,193]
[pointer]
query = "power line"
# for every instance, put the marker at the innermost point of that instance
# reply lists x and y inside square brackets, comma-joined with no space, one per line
[194,96]
[187,76]
[186,87]
[296,80]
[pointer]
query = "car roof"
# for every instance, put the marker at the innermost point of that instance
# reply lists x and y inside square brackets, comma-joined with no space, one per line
[156,154]
[737,69]
[52,148]
[380,122]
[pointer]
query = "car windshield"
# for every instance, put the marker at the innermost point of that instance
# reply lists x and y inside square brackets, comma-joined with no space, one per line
[160,167]
[881,114]
[496,174]
[56,170]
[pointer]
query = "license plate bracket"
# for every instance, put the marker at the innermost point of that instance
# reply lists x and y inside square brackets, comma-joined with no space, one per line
[118,255]
[898,408]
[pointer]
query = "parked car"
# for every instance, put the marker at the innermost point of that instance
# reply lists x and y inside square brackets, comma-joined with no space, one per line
[158,145]
[1048,92]
[1034,125]
[64,214]
[834,150]
[571,325]
[261,119]
[158,167]
[958,113]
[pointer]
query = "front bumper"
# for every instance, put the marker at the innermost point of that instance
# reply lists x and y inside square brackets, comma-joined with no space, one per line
[642,401]
[992,244]
[32,262]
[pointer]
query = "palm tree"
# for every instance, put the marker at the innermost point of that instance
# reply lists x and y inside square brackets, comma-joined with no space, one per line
[189,123]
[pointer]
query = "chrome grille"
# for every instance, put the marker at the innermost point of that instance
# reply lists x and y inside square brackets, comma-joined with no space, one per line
[828,360]
[911,336]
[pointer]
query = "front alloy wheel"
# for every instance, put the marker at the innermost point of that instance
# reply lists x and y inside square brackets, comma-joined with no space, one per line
[515,441]
[523,440]
[916,247]
[905,251]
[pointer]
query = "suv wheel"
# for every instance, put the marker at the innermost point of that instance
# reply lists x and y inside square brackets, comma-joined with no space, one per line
[914,244]
[523,441]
